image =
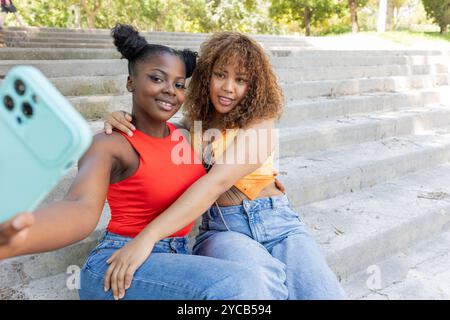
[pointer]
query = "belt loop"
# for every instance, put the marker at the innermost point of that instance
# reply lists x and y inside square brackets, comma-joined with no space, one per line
[221,216]
[102,236]
[208,214]
[246,205]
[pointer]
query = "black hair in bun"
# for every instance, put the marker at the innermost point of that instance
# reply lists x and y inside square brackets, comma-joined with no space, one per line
[190,61]
[134,47]
[128,41]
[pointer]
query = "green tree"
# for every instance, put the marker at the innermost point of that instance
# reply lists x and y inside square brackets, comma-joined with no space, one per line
[392,13]
[49,13]
[305,12]
[353,6]
[439,10]
[91,8]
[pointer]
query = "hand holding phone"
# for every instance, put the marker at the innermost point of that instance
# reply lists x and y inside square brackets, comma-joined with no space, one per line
[13,232]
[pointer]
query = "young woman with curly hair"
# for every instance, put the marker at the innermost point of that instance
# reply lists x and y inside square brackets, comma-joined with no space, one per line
[247,216]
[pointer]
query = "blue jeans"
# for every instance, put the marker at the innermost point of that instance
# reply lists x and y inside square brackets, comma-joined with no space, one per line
[249,232]
[172,273]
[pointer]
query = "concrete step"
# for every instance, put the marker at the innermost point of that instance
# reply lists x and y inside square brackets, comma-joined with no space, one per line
[362,228]
[417,273]
[56,54]
[319,52]
[341,73]
[169,41]
[282,58]
[326,107]
[76,67]
[79,67]
[49,288]
[20,43]
[310,89]
[116,85]
[326,174]
[79,45]
[10,41]
[355,230]
[84,86]
[148,35]
[311,59]
[156,34]
[314,135]
[107,36]
[95,107]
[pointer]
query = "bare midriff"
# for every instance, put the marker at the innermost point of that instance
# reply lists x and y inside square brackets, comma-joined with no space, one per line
[234,197]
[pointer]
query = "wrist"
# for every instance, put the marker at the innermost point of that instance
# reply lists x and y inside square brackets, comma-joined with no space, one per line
[150,235]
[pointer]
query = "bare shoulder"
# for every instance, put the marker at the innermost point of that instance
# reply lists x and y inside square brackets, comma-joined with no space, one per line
[114,140]
[261,124]
[107,146]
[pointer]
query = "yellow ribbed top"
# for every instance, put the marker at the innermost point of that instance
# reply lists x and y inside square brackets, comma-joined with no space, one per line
[252,184]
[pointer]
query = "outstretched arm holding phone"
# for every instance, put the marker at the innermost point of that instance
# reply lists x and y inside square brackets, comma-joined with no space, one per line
[68,221]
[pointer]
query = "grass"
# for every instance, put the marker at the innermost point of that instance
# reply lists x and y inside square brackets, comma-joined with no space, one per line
[409,37]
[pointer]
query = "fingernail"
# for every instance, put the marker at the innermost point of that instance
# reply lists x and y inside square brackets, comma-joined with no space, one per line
[106,289]
[115,298]
[133,128]
[121,296]
[130,134]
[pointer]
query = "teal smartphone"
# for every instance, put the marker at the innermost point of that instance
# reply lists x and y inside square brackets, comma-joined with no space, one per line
[41,137]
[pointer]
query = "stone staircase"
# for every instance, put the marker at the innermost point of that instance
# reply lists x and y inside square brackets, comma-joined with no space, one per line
[364,153]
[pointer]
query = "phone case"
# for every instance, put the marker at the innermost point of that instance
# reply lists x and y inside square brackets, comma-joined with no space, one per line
[41,137]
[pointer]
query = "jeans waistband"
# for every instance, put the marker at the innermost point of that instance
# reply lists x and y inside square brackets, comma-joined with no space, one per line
[174,241]
[257,204]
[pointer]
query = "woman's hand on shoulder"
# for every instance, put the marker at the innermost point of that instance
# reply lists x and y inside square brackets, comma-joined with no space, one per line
[120,120]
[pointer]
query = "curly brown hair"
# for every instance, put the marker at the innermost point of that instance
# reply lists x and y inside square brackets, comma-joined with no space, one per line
[264,98]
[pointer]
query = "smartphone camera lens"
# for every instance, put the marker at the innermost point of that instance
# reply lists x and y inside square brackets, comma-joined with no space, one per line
[8,102]
[27,109]
[20,87]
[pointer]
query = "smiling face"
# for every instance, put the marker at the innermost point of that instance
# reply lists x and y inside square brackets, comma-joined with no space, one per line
[158,87]
[228,86]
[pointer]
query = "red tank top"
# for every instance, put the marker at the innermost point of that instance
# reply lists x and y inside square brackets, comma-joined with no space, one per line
[156,184]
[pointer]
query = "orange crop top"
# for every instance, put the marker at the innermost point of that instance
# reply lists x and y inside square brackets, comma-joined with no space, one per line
[252,184]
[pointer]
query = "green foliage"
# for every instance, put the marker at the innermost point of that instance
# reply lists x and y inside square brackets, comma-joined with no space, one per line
[161,15]
[249,16]
[316,10]
[439,10]
[49,13]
